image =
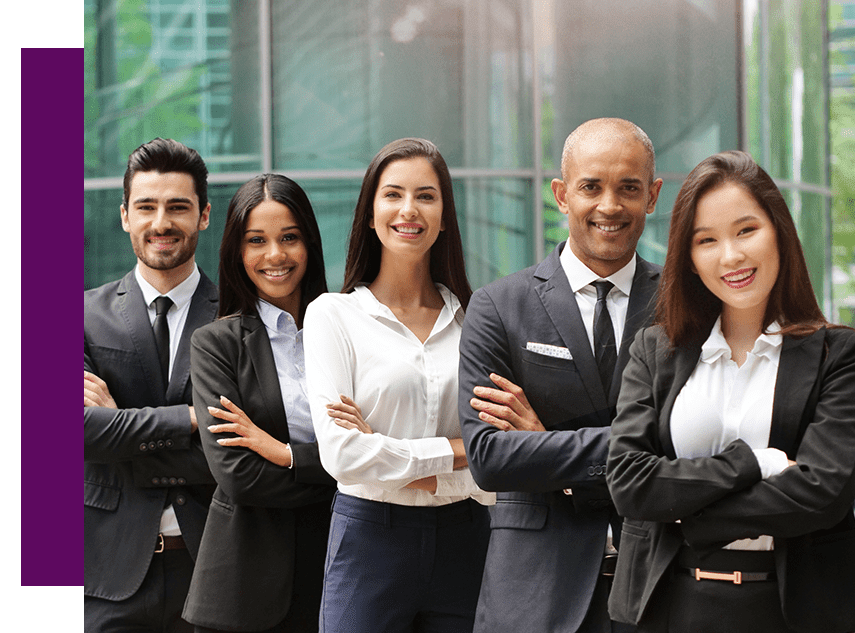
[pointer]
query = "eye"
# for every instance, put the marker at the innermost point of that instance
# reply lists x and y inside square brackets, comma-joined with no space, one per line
[589,186]
[426,196]
[705,240]
[747,230]
[391,194]
[256,240]
[290,237]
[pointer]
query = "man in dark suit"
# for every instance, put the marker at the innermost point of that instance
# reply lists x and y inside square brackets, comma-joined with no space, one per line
[542,353]
[146,485]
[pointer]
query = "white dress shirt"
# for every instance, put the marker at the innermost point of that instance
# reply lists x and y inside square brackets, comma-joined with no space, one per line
[176,317]
[722,402]
[406,389]
[617,301]
[286,341]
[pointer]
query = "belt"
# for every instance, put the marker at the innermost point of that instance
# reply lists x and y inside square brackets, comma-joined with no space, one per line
[736,577]
[609,565]
[168,542]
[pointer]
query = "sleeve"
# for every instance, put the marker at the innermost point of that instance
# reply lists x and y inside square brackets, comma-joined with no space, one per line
[461,483]
[816,493]
[245,476]
[526,461]
[645,484]
[349,456]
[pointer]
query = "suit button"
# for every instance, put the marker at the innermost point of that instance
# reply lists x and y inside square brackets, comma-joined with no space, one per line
[172,481]
[591,471]
[143,447]
[155,480]
[169,443]
[161,443]
[164,481]
[180,500]
[181,481]
[152,445]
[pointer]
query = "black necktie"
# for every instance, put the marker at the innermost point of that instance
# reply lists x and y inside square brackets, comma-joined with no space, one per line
[605,349]
[161,334]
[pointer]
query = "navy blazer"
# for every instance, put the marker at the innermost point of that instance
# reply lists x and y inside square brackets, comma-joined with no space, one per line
[244,574]
[546,548]
[807,509]
[142,455]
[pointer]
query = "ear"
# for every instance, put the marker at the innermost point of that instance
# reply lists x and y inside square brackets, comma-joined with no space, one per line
[205,217]
[371,222]
[126,225]
[655,188]
[559,190]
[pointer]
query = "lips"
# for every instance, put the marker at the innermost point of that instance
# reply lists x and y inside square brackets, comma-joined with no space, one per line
[408,230]
[610,227]
[740,278]
[277,274]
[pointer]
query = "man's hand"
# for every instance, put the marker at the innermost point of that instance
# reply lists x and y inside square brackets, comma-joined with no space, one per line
[95,392]
[506,408]
[194,426]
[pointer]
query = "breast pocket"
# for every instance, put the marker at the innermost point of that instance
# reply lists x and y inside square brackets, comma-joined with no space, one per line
[554,388]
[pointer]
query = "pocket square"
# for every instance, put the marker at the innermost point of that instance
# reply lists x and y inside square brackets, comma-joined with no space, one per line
[549,350]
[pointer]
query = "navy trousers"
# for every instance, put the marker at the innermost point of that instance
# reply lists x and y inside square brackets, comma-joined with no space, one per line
[397,569]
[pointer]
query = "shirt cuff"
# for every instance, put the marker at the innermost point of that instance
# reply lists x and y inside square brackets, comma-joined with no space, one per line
[772,461]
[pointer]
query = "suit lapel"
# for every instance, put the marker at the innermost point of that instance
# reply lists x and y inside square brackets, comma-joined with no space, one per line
[560,304]
[203,310]
[134,312]
[639,314]
[261,356]
[797,370]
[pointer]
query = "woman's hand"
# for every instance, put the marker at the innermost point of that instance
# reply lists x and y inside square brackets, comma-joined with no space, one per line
[348,415]
[507,408]
[248,434]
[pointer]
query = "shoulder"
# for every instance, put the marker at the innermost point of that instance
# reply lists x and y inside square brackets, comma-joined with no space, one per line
[102,293]
[513,284]
[220,332]
[332,304]
[841,344]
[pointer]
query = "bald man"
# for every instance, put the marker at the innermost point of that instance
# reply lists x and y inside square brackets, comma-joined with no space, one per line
[541,357]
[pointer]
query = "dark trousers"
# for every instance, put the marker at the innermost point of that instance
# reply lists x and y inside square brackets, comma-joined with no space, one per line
[686,605]
[597,619]
[155,607]
[396,569]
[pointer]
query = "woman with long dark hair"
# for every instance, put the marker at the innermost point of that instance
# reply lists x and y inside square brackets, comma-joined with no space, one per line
[407,539]
[260,564]
[733,452]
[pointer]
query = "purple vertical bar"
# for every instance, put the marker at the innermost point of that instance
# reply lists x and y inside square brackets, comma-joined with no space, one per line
[51,452]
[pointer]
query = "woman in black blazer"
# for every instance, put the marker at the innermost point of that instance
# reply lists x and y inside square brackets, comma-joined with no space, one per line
[732,456]
[260,564]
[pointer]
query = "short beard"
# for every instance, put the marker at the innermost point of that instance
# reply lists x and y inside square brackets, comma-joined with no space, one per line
[166,261]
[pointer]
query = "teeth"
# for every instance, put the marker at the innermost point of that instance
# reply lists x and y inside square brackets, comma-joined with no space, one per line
[407,229]
[609,228]
[739,277]
[276,273]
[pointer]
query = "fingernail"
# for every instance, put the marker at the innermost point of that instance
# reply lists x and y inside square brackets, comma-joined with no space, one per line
[212,409]
[223,399]
[220,441]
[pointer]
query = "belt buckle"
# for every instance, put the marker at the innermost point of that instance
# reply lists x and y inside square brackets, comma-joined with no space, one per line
[735,577]
[160,544]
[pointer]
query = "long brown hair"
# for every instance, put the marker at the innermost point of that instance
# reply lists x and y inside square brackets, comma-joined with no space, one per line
[446,255]
[238,294]
[686,308]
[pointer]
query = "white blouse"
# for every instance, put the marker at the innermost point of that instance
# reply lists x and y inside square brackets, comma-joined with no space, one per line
[406,389]
[722,402]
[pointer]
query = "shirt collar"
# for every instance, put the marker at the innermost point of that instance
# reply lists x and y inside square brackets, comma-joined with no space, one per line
[275,319]
[373,307]
[580,275]
[180,295]
[716,346]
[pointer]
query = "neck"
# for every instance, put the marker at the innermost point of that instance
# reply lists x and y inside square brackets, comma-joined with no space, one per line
[165,280]
[402,283]
[741,328]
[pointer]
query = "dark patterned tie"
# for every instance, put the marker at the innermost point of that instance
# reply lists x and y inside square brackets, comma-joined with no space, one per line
[605,349]
[161,334]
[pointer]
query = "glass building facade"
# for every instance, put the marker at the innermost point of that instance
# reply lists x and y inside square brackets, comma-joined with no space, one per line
[313,88]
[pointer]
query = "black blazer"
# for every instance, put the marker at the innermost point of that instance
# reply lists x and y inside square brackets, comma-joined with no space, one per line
[546,548]
[807,509]
[142,455]
[243,579]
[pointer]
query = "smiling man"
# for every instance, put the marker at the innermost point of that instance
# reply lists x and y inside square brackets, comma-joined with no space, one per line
[146,485]
[542,353]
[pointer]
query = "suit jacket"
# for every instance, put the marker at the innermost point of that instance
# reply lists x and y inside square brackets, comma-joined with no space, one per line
[141,456]
[807,509]
[243,579]
[546,548]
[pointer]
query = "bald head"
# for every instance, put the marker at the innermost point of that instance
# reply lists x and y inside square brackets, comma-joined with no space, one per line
[607,129]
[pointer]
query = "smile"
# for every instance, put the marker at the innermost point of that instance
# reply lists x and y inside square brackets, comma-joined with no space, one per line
[162,242]
[275,275]
[408,230]
[740,278]
[609,228]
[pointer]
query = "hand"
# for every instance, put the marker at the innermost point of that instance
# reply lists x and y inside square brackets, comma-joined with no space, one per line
[248,434]
[194,425]
[95,392]
[348,415]
[506,408]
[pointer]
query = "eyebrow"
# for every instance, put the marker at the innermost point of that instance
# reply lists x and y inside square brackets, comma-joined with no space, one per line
[425,187]
[631,181]
[170,201]
[282,230]
[744,218]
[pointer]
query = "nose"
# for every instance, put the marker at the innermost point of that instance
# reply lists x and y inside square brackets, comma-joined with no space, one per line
[276,250]
[162,222]
[408,207]
[609,202]
[731,253]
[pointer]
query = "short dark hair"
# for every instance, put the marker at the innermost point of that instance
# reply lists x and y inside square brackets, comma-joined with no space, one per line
[686,308]
[164,155]
[447,265]
[238,295]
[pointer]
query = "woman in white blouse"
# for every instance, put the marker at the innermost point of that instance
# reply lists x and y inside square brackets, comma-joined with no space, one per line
[407,538]
[733,452]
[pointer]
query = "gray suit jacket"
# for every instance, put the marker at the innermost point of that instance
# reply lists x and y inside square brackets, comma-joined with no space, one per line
[141,456]
[807,509]
[546,548]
